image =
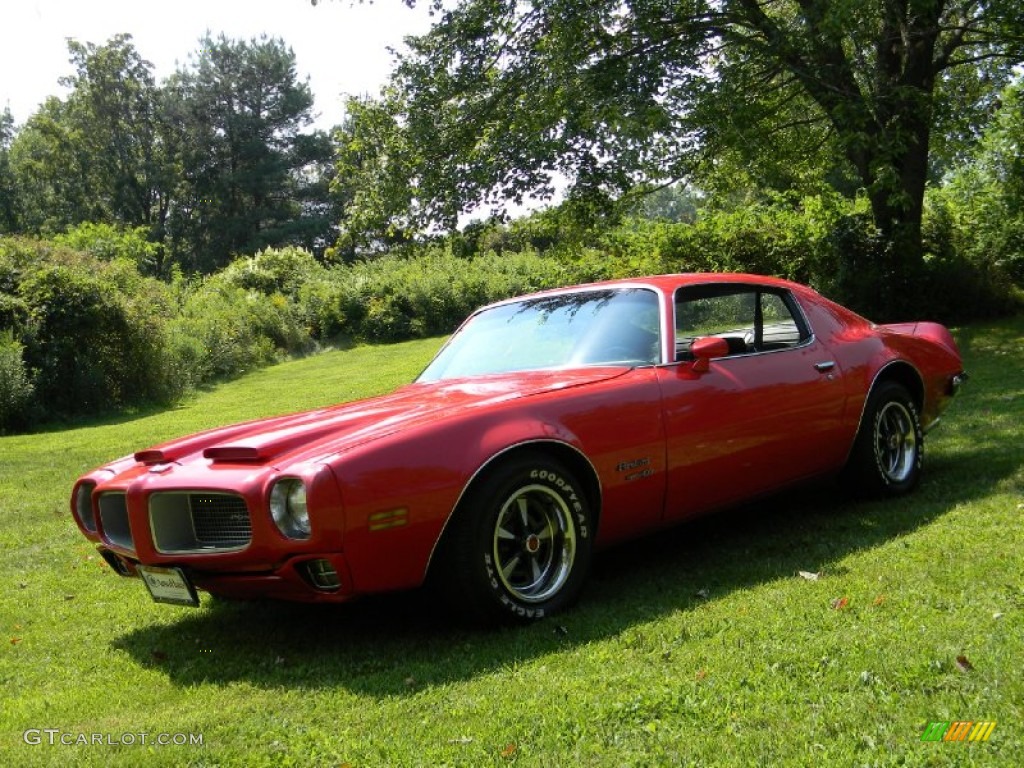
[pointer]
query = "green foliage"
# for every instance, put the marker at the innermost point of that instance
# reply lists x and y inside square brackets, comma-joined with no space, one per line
[501,98]
[16,388]
[94,156]
[237,115]
[985,196]
[109,242]
[210,164]
[282,270]
[8,185]
[92,336]
[430,293]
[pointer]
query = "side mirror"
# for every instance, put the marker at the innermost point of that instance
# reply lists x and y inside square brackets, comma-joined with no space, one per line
[704,349]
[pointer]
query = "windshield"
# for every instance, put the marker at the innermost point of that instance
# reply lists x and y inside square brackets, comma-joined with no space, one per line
[616,326]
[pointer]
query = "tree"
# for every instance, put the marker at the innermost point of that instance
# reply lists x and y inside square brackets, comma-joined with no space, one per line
[94,156]
[237,114]
[51,172]
[8,187]
[986,193]
[113,105]
[502,95]
[371,184]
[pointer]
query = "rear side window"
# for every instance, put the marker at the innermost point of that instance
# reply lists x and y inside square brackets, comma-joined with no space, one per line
[751,319]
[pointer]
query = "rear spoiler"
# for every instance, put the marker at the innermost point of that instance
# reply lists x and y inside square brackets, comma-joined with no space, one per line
[934,332]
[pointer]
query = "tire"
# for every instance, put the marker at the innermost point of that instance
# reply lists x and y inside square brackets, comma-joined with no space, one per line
[519,547]
[889,448]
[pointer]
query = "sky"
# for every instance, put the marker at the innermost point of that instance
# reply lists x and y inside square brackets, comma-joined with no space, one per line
[340,45]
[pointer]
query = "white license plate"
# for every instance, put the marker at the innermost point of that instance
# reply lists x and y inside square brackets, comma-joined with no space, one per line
[168,585]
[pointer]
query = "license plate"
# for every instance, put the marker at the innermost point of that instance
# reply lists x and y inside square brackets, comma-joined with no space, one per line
[168,585]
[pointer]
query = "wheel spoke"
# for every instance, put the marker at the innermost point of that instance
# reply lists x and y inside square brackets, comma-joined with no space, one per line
[501,533]
[507,570]
[535,567]
[524,512]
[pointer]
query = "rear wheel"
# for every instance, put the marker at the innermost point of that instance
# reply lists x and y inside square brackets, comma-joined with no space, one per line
[520,543]
[887,454]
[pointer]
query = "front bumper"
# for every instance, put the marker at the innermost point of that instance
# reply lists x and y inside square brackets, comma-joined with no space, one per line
[310,577]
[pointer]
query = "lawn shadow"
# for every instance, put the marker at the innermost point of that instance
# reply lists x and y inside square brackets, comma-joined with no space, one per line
[396,645]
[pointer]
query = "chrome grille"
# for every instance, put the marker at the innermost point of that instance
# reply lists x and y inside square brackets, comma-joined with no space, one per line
[114,520]
[199,522]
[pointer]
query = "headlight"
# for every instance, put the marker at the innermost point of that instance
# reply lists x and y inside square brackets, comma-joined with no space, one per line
[83,505]
[288,508]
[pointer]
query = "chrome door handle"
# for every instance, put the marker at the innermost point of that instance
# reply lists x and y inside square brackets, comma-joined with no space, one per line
[823,367]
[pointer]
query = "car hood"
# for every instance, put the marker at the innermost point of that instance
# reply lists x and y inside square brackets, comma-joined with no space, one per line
[285,440]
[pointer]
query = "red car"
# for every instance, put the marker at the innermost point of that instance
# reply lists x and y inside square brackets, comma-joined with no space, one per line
[548,426]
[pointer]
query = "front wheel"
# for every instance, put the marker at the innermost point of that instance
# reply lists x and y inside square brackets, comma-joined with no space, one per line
[886,457]
[520,544]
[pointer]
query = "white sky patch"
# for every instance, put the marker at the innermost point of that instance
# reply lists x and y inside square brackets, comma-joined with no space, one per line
[340,45]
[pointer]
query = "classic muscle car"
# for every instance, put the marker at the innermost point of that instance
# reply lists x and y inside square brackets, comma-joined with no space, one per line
[546,427]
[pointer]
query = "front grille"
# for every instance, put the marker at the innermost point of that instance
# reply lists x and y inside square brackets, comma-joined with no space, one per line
[114,520]
[220,521]
[199,522]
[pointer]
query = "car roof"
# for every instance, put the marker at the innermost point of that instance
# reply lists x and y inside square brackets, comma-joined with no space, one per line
[667,283]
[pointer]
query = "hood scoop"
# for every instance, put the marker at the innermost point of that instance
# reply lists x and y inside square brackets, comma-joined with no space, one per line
[233,453]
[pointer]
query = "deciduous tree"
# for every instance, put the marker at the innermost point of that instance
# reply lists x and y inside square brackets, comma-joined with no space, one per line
[502,96]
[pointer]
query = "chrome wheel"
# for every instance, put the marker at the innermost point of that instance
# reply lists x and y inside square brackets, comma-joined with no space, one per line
[519,544]
[895,441]
[534,543]
[886,456]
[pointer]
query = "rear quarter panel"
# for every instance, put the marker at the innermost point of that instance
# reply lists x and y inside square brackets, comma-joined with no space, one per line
[863,350]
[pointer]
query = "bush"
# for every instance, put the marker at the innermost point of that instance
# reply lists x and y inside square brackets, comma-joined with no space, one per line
[16,388]
[283,271]
[108,242]
[223,330]
[91,330]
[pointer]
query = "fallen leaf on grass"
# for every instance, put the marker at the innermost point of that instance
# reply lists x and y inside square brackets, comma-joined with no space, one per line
[701,674]
[879,600]
[963,664]
[461,740]
[703,594]
[15,640]
[840,602]
[509,750]
[809,575]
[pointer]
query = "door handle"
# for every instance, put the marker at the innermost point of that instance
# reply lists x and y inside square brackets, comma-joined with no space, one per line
[823,367]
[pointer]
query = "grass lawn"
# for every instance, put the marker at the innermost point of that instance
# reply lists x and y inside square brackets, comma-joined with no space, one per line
[702,646]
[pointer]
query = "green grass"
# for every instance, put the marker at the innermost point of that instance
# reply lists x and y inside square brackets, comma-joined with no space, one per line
[702,646]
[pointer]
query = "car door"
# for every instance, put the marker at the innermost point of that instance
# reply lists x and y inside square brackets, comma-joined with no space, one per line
[762,417]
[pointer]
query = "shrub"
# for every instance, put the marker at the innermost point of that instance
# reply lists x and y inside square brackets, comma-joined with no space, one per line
[283,271]
[109,243]
[223,330]
[16,388]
